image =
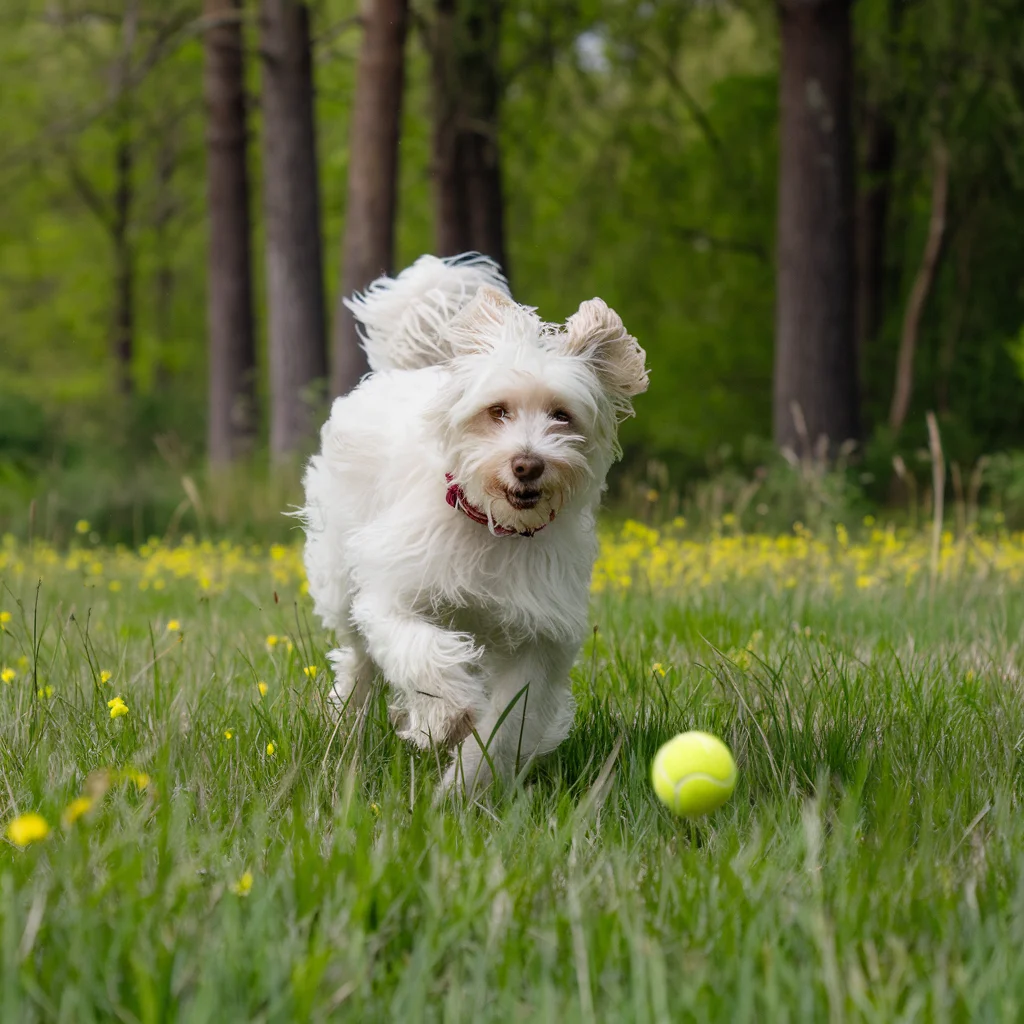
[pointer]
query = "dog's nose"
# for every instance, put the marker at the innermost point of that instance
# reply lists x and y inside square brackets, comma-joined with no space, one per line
[527,467]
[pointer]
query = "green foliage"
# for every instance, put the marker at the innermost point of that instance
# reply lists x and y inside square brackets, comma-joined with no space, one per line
[639,159]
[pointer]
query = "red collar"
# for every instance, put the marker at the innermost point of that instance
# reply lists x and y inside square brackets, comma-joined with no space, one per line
[456,497]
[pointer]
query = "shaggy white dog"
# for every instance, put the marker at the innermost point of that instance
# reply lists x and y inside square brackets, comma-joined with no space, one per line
[450,514]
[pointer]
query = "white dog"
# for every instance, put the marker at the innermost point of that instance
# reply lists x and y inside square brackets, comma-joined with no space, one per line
[450,514]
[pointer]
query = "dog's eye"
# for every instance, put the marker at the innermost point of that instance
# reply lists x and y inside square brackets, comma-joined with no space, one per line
[498,412]
[561,416]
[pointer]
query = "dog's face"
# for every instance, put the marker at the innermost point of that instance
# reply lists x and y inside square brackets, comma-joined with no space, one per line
[530,417]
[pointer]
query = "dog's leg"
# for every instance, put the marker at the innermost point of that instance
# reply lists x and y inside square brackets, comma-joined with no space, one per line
[532,686]
[433,670]
[353,676]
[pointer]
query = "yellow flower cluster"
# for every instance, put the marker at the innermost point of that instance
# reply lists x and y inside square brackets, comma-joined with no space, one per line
[210,567]
[117,707]
[668,560]
[27,828]
[244,884]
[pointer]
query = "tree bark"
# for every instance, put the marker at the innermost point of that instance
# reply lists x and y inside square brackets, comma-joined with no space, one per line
[123,201]
[480,61]
[904,383]
[124,260]
[815,358]
[231,419]
[451,215]
[468,188]
[291,195]
[872,218]
[368,245]
[163,275]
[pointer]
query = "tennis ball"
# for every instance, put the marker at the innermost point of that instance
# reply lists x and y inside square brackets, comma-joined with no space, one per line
[693,774]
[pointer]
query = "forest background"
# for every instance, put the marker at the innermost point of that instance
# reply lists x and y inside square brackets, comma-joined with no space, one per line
[808,212]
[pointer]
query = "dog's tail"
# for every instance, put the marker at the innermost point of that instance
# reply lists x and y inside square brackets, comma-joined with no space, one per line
[403,319]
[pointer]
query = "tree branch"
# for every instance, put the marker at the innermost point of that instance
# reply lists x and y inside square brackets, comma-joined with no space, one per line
[695,110]
[919,292]
[88,194]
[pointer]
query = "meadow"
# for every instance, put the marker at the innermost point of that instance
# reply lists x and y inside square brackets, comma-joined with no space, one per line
[190,834]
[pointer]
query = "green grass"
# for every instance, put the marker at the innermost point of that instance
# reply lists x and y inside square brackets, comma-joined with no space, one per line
[869,867]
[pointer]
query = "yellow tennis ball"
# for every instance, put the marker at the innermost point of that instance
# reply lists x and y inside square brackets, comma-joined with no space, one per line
[693,774]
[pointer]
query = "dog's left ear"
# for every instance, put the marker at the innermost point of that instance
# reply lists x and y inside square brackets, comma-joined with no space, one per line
[478,326]
[596,333]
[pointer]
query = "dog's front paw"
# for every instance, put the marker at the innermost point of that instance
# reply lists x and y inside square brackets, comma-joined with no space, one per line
[432,722]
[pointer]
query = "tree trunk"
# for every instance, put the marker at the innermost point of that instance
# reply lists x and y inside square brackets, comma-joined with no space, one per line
[904,383]
[815,359]
[123,339]
[124,260]
[451,214]
[164,280]
[231,420]
[872,216]
[480,61]
[468,188]
[295,286]
[368,246]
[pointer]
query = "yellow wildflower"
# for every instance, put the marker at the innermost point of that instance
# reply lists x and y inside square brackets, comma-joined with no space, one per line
[44,692]
[27,828]
[141,779]
[271,750]
[659,668]
[82,526]
[8,675]
[174,626]
[244,885]
[76,809]
[5,617]
[229,734]
[272,641]
[262,687]
[114,586]
[309,671]
[117,707]
[105,676]
[863,582]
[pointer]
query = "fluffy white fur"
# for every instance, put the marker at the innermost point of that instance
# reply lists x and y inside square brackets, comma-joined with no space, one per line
[458,618]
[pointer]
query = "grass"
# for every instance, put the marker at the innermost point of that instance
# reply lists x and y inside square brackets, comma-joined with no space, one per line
[869,867]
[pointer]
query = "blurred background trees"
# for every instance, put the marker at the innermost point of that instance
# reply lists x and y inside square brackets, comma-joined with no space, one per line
[807,211]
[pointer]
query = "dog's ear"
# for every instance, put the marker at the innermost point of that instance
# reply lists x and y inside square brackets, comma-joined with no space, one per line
[596,333]
[478,326]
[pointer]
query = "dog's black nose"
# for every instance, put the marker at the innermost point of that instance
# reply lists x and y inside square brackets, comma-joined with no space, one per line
[527,467]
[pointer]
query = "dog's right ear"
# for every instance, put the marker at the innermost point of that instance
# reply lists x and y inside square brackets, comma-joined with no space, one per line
[479,326]
[596,333]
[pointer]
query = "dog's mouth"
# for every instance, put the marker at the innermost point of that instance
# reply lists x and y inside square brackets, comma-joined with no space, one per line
[523,498]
